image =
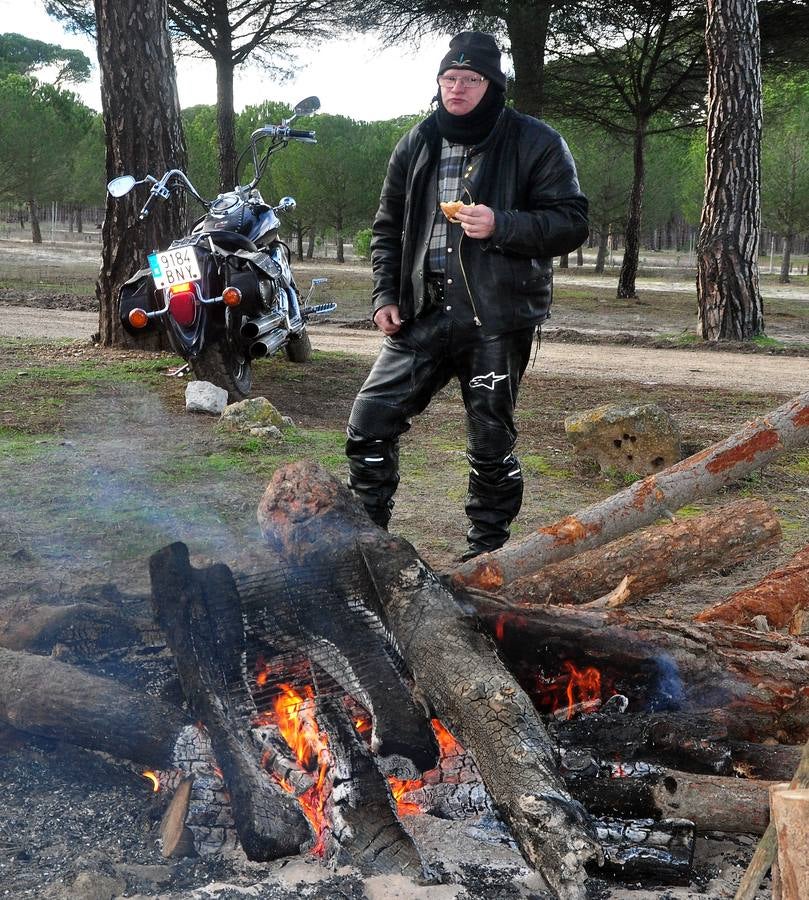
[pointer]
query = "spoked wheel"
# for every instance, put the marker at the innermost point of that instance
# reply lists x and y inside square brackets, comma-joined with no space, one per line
[225,364]
[299,347]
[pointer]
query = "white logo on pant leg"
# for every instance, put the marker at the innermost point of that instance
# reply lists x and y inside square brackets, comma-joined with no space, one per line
[486,381]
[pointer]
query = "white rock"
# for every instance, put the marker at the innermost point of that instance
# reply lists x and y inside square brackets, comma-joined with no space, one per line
[202,396]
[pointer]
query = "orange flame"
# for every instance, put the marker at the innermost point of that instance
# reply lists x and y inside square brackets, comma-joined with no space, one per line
[154,778]
[500,628]
[574,687]
[294,714]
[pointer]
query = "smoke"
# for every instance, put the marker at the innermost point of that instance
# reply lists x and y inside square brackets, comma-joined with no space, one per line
[666,691]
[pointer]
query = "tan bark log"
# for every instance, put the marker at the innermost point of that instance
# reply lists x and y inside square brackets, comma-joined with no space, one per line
[44,697]
[778,596]
[790,812]
[702,474]
[654,557]
[760,680]
[308,517]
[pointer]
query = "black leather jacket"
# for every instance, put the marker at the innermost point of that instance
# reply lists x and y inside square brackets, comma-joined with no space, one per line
[528,177]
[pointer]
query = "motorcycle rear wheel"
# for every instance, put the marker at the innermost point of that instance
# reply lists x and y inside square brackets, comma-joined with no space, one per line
[298,348]
[223,365]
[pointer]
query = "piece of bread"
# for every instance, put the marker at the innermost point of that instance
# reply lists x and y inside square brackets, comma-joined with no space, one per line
[452,207]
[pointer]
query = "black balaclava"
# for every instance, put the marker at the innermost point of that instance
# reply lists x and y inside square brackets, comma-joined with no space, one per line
[477,52]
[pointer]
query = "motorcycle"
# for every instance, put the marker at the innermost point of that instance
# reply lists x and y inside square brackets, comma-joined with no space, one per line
[224,293]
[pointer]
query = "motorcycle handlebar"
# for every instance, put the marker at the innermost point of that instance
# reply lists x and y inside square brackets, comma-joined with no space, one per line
[301,135]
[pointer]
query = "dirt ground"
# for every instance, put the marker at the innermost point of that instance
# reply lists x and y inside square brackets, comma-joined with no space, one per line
[101,466]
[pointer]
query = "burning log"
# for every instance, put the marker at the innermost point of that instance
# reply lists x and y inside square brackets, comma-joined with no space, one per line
[269,822]
[661,851]
[654,557]
[778,596]
[307,514]
[44,697]
[759,683]
[758,443]
[685,740]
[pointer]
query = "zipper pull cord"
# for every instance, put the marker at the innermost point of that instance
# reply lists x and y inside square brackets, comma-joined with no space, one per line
[475,316]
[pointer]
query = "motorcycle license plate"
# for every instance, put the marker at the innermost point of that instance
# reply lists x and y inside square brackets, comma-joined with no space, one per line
[174,266]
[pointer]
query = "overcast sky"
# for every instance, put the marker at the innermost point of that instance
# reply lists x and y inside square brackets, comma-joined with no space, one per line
[352,78]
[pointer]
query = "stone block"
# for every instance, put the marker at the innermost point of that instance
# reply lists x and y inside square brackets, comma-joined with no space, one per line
[202,396]
[637,440]
[256,416]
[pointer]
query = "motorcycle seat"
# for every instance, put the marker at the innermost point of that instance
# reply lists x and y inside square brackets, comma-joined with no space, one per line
[232,240]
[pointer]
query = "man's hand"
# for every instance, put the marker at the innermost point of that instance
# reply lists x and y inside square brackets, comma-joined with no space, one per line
[477,221]
[387,320]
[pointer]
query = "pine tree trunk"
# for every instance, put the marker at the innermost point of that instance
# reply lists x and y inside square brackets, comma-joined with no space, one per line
[730,305]
[786,261]
[527,26]
[629,266]
[225,120]
[564,261]
[36,233]
[601,255]
[579,257]
[143,134]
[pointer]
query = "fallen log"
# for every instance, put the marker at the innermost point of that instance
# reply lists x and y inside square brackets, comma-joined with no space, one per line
[703,473]
[778,596]
[758,683]
[269,822]
[306,515]
[790,815]
[654,557]
[47,698]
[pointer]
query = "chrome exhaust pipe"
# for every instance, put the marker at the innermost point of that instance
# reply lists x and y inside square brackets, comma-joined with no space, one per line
[255,328]
[267,344]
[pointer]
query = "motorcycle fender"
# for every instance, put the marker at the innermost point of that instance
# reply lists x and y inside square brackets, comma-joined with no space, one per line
[137,293]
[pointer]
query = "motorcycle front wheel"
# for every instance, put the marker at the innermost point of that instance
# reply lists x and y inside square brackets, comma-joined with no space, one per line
[226,365]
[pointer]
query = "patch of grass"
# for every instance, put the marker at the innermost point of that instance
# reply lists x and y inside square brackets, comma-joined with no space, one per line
[17,446]
[761,340]
[799,465]
[689,511]
[536,464]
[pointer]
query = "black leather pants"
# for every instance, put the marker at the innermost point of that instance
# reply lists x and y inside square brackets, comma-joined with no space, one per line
[411,367]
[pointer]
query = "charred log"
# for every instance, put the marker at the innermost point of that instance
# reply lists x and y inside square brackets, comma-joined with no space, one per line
[654,557]
[660,851]
[306,514]
[44,697]
[758,443]
[269,822]
[761,681]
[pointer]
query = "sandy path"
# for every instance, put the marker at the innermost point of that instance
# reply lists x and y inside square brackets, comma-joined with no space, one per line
[754,372]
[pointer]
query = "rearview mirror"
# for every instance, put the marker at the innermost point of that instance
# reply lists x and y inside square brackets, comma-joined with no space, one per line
[307,107]
[121,185]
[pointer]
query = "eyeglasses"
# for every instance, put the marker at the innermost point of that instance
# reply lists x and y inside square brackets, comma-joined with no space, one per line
[464,81]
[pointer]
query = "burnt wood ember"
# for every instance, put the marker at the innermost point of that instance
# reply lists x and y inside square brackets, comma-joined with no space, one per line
[306,514]
[365,829]
[654,557]
[778,596]
[761,681]
[756,444]
[269,822]
[45,697]
[661,851]
[176,838]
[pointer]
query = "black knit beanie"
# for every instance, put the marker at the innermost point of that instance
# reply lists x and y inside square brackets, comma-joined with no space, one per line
[477,51]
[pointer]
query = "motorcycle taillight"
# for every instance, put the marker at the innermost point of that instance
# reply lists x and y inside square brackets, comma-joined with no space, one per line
[182,304]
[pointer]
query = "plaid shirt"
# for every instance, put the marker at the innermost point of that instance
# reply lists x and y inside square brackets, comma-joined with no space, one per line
[450,175]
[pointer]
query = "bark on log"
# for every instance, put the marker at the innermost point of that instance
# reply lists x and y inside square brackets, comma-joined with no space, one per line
[758,443]
[654,557]
[711,802]
[269,822]
[308,515]
[778,596]
[44,697]
[790,813]
[761,681]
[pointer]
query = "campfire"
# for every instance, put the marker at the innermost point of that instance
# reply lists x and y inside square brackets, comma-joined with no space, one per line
[343,693]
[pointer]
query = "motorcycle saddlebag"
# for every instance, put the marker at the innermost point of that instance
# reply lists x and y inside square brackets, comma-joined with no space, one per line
[137,293]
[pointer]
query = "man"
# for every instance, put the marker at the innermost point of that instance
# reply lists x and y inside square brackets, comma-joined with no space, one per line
[462,298]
